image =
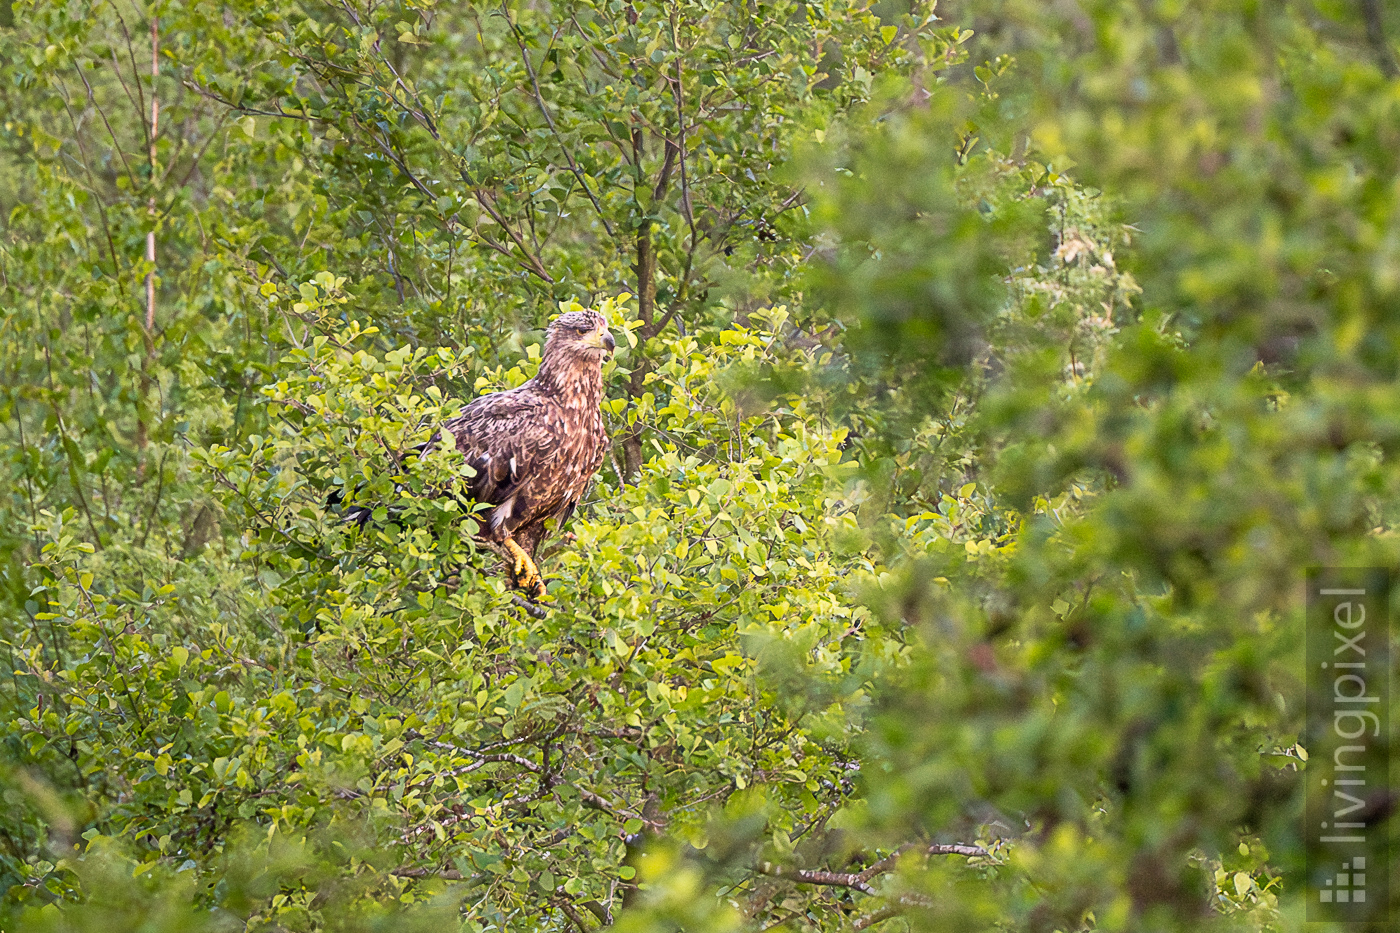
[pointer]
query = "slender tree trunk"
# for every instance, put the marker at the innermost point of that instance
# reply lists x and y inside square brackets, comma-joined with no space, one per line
[148,362]
[1375,34]
[151,234]
[645,270]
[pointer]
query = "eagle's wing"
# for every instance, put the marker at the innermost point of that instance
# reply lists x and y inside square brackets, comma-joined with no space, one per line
[506,439]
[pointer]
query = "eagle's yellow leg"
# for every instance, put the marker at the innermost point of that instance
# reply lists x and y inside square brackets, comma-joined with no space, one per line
[523,570]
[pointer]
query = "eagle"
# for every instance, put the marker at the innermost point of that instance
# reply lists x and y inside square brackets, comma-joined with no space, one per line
[534,448]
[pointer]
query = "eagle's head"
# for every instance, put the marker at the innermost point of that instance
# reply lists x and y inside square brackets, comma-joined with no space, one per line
[579,334]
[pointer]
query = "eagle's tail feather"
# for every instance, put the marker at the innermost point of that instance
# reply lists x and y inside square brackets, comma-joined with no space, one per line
[358,514]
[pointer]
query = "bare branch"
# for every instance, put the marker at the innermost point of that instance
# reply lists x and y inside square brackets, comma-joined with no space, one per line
[595,802]
[92,183]
[135,75]
[539,102]
[243,108]
[198,157]
[668,165]
[884,913]
[101,113]
[574,917]
[534,264]
[860,881]
[503,758]
[807,876]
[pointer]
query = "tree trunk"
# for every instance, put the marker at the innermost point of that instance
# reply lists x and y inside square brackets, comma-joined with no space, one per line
[645,270]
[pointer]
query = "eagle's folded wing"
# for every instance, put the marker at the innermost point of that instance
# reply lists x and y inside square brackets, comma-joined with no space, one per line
[505,439]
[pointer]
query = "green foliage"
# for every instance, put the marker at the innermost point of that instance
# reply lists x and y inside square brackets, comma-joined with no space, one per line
[382,682]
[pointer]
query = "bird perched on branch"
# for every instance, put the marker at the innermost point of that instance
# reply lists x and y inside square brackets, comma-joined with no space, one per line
[535,447]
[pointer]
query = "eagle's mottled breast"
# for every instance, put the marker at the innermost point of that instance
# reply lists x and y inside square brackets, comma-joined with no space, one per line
[580,439]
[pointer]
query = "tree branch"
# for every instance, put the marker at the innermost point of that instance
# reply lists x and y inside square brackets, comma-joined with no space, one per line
[448,875]
[676,92]
[539,102]
[860,881]
[808,876]
[573,915]
[534,265]
[596,802]
[884,913]
[92,99]
[1375,34]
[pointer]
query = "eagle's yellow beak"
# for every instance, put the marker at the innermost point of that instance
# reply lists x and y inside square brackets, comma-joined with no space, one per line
[600,339]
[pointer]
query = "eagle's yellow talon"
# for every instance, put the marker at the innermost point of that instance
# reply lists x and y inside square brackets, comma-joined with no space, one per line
[523,572]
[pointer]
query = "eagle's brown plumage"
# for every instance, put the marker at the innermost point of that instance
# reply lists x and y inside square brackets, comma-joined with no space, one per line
[534,448]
